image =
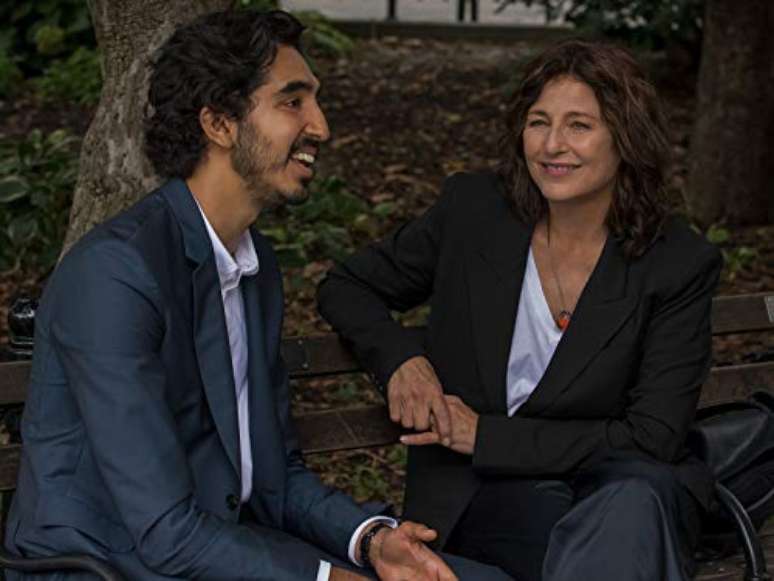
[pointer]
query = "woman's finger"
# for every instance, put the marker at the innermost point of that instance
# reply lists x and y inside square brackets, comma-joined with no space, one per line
[421,439]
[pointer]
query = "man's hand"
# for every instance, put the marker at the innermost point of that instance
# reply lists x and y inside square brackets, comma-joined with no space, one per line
[415,398]
[401,555]
[339,574]
[464,424]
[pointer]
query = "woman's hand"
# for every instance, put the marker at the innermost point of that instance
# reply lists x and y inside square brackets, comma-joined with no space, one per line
[464,424]
[416,399]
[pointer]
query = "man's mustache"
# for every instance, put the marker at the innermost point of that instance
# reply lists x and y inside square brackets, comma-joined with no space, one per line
[305,142]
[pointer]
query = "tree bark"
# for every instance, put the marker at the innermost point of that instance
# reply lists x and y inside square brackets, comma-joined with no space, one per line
[732,146]
[113,171]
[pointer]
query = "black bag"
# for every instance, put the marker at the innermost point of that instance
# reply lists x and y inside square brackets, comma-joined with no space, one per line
[736,440]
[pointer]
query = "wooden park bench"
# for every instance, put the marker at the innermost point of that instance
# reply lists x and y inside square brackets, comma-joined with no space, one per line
[366,426]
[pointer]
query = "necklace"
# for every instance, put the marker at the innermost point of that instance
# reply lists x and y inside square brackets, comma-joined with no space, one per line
[565,314]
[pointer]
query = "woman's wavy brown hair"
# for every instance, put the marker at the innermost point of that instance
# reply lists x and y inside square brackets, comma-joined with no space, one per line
[632,112]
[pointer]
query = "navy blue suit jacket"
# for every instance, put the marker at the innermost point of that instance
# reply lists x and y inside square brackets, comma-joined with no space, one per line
[131,443]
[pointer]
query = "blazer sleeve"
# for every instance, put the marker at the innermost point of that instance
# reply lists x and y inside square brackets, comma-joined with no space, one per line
[394,274]
[661,402]
[318,513]
[106,328]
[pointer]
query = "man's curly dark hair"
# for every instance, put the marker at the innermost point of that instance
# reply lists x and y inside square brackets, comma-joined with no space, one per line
[217,61]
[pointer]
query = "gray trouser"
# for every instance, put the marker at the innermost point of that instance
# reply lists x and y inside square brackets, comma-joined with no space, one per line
[625,520]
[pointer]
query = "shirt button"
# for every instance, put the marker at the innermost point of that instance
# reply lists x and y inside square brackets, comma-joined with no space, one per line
[232,502]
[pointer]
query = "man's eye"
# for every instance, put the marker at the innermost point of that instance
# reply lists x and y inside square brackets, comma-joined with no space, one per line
[293,103]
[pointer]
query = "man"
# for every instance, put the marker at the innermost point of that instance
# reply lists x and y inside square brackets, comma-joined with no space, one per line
[157,430]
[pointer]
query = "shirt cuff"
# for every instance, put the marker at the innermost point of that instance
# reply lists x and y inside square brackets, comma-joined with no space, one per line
[323,571]
[390,522]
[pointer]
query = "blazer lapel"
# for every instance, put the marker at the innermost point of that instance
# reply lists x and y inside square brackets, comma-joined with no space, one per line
[265,431]
[601,311]
[210,333]
[266,435]
[495,273]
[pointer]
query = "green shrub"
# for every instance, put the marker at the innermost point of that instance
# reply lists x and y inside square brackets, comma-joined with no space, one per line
[735,257]
[649,24]
[37,178]
[259,4]
[39,30]
[10,75]
[77,78]
[320,35]
[323,227]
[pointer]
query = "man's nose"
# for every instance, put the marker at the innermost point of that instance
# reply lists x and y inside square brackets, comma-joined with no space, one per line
[317,125]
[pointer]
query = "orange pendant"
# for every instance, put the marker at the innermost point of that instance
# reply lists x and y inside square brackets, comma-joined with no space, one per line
[564,320]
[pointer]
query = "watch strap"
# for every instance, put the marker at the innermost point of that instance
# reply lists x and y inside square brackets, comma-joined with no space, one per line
[365,543]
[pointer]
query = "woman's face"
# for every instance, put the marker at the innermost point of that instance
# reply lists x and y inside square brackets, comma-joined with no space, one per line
[570,152]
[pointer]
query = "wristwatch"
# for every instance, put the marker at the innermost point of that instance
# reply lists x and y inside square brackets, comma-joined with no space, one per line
[365,543]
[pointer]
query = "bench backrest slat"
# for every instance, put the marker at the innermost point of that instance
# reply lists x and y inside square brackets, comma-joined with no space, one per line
[363,427]
[14,377]
[9,466]
[325,354]
[743,313]
[347,429]
[735,382]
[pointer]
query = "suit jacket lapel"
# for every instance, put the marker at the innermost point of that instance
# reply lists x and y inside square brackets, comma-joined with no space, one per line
[210,333]
[601,311]
[266,435]
[265,431]
[214,356]
[495,273]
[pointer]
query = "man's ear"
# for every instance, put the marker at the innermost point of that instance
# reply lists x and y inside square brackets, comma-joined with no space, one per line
[218,128]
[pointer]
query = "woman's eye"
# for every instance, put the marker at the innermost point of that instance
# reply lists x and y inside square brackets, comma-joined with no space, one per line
[535,123]
[580,126]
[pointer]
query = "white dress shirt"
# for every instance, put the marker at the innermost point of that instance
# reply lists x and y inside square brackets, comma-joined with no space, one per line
[231,269]
[535,337]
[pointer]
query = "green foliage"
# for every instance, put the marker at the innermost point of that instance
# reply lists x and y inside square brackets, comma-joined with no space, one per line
[54,40]
[320,228]
[718,235]
[649,24]
[374,475]
[322,36]
[38,30]
[735,258]
[37,178]
[645,23]
[10,75]
[77,78]
[368,483]
[258,4]
[50,39]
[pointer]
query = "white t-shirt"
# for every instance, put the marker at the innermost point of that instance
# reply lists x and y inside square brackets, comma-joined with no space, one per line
[535,337]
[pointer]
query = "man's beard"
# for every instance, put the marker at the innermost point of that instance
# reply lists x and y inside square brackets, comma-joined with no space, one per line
[253,161]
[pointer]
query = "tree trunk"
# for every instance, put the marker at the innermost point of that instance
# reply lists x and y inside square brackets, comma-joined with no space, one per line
[113,171]
[732,147]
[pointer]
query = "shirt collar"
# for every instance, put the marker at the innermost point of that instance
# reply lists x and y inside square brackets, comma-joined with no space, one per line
[231,269]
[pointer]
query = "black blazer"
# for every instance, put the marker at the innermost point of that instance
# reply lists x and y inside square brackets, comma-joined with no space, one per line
[625,377]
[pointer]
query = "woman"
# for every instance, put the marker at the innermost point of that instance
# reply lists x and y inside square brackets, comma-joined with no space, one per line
[568,339]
